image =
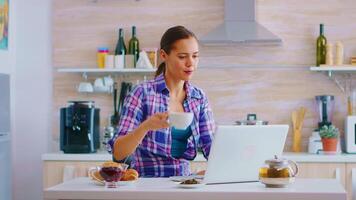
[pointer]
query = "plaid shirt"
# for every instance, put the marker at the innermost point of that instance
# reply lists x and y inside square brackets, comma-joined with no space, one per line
[152,158]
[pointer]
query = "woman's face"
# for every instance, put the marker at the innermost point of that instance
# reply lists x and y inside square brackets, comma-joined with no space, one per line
[183,59]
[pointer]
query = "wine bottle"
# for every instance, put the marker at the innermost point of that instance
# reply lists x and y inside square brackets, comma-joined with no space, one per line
[120,46]
[134,47]
[321,47]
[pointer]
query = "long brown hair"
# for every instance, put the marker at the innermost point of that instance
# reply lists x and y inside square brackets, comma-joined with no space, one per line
[168,39]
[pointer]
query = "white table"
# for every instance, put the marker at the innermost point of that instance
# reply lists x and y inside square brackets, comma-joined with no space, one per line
[164,189]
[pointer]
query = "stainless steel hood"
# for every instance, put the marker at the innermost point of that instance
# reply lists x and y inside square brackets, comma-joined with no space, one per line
[240,26]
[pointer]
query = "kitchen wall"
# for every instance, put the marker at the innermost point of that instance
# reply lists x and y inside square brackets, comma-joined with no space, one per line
[269,80]
[32,94]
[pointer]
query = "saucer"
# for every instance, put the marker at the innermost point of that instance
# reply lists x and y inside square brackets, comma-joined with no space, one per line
[190,186]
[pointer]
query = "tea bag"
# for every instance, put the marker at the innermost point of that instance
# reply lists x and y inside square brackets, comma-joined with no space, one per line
[143,61]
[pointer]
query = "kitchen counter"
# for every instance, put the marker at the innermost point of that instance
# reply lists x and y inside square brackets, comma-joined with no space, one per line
[164,189]
[298,157]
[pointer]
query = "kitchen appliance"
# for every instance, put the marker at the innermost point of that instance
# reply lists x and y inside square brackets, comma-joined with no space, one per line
[79,127]
[315,146]
[350,134]
[325,104]
[5,142]
[240,26]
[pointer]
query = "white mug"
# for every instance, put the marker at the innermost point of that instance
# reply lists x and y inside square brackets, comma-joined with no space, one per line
[99,83]
[180,120]
[85,87]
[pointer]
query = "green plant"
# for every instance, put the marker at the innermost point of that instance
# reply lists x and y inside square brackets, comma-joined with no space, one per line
[329,132]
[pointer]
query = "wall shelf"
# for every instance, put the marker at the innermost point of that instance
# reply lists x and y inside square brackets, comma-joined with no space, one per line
[98,71]
[332,70]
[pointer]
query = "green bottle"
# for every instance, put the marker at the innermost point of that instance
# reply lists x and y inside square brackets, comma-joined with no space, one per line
[321,47]
[134,46]
[120,45]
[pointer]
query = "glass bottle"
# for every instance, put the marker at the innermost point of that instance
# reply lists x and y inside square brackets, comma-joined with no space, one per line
[134,47]
[120,46]
[321,47]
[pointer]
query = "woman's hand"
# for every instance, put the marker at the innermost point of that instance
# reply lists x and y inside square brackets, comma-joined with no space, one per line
[156,121]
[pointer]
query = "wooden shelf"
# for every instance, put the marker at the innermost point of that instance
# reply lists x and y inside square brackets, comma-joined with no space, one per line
[104,71]
[328,68]
[345,70]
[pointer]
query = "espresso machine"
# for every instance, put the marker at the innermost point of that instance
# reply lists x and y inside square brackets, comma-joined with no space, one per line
[325,104]
[79,127]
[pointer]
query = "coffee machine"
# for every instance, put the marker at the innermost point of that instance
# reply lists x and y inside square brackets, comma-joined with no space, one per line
[79,127]
[325,104]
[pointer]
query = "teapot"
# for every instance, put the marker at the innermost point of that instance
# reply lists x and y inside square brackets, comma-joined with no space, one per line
[278,172]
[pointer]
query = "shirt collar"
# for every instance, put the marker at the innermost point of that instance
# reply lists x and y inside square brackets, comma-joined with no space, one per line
[161,87]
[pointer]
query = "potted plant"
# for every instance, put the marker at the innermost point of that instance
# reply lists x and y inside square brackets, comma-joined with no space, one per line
[329,137]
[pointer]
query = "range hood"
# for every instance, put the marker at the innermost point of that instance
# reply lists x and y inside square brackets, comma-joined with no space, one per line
[240,26]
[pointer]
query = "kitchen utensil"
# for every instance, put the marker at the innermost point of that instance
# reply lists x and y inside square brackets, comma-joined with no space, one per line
[115,116]
[278,172]
[251,120]
[297,121]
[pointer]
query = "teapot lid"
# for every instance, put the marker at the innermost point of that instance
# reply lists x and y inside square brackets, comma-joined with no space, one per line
[277,161]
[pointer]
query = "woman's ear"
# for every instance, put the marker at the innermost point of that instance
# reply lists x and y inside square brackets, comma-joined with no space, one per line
[163,55]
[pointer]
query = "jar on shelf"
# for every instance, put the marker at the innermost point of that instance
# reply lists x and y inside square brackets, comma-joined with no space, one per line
[101,56]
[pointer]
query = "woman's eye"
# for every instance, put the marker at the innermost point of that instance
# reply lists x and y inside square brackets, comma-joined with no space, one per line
[181,57]
[196,56]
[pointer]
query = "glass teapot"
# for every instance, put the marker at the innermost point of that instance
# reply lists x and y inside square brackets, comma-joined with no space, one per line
[278,172]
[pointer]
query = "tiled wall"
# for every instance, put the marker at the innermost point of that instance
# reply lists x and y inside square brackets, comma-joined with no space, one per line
[269,80]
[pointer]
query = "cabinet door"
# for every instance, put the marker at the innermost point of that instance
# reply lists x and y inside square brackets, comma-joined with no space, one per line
[53,171]
[351,181]
[323,170]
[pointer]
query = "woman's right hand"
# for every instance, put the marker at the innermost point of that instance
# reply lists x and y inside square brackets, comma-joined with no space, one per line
[156,121]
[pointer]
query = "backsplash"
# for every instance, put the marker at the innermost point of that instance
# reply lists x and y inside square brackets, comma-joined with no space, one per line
[270,81]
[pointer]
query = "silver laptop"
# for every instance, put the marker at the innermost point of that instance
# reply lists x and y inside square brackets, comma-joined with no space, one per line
[238,152]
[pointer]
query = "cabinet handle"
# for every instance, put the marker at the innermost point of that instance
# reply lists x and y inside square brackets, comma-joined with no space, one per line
[353,183]
[337,174]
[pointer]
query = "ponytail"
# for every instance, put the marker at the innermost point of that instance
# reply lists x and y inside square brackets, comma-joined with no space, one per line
[161,69]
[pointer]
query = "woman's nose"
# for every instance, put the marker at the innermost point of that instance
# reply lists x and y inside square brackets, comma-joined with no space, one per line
[189,62]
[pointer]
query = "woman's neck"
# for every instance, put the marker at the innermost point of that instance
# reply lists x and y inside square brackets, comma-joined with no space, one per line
[175,86]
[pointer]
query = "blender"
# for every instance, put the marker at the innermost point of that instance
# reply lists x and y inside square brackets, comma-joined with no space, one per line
[325,105]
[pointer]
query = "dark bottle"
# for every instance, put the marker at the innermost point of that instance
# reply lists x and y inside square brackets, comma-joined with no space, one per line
[120,46]
[134,47]
[321,47]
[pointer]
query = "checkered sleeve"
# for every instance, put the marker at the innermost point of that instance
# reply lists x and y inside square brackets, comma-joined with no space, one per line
[206,127]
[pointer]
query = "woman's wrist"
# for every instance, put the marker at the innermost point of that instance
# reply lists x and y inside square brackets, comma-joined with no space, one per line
[144,127]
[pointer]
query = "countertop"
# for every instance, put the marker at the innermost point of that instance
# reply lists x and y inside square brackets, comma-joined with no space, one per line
[298,157]
[164,189]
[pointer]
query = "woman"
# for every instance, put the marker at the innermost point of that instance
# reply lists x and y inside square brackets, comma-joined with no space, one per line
[159,150]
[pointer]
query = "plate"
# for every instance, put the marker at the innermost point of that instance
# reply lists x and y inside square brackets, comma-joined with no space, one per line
[183,178]
[119,183]
[190,186]
[122,183]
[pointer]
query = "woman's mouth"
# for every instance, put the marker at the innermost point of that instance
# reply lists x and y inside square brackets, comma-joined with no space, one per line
[188,72]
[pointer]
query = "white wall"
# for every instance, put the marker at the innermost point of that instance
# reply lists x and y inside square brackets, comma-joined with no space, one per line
[33,93]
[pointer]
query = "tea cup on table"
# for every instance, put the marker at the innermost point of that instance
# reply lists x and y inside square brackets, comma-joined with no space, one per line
[180,120]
